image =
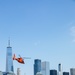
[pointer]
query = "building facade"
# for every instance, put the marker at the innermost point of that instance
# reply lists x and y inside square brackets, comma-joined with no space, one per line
[18,71]
[59,69]
[65,73]
[72,71]
[53,72]
[38,73]
[1,73]
[45,68]
[8,73]
[37,66]
[9,60]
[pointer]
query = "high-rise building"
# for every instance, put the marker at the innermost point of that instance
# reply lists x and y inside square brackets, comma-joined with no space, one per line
[65,73]
[53,72]
[37,66]
[59,69]
[9,60]
[1,73]
[18,71]
[45,68]
[72,71]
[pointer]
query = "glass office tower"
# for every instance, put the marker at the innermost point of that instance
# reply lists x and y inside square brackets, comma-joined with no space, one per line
[9,60]
[45,68]
[37,66]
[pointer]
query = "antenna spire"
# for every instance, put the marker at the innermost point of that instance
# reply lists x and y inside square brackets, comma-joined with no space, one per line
[9,42]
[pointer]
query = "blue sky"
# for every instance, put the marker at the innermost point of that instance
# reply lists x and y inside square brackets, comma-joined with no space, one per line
[43,29]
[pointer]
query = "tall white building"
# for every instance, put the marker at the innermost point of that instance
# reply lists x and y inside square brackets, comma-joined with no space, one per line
[72,71]
[18,71]
[60,69]
[45,68]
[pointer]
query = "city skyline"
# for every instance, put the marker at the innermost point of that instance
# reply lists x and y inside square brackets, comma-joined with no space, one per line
[38,29]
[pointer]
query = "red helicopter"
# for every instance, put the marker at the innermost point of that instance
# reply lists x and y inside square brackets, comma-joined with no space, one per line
[20,59]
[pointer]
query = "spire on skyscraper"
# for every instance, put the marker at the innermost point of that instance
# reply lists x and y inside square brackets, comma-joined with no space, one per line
[9,42]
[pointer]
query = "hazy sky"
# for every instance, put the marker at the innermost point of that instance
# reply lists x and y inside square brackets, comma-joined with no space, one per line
[42,29]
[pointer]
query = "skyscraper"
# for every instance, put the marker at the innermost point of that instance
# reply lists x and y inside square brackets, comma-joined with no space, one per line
[53,72]
[45,68]
[72,71]
[9,61]
[59,69]
[37,66]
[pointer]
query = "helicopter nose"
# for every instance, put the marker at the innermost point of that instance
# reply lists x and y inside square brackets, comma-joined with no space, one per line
[23,62]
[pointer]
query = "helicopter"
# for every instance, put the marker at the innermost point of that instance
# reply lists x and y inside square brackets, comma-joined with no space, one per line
[20,59]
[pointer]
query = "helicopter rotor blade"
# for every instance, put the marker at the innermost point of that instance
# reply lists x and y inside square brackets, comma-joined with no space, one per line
[26,58]
[19,56]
